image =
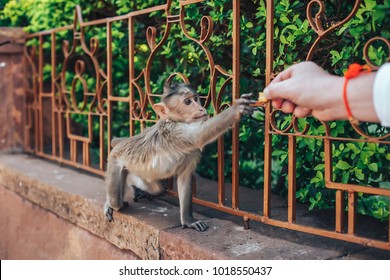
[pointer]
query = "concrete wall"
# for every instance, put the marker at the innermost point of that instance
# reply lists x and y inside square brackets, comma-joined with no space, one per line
[30,232]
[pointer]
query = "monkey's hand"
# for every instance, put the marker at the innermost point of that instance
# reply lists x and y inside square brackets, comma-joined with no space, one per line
[242,105]
[109,211]
[198,225]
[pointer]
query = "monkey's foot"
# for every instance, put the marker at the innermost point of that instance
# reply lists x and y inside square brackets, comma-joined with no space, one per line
[197,225]
[108,211]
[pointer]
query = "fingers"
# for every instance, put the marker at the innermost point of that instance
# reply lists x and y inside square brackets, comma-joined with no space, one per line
[324,116]
[284,75]
[109,212]
[284,105]
[288,107]
[244,101]
[247,95]
[296,89]
[296,69]
[280,90]
[248,110]
[277,103]
[302,112]
[243,104]
[200,226]
[281,85]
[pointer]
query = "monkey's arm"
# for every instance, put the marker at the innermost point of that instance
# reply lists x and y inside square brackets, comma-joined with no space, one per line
[210,130]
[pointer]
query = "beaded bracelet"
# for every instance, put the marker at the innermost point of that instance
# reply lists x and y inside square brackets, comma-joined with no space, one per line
[353,71]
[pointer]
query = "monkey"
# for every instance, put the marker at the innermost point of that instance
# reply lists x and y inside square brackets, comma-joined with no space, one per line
[171,147]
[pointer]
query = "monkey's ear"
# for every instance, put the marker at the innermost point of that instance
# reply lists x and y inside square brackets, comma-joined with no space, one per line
[167,88]
[162,110]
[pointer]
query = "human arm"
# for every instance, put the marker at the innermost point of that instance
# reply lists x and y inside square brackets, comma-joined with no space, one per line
[305,89]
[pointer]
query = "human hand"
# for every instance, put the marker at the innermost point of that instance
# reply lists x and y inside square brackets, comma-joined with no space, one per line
[305,89]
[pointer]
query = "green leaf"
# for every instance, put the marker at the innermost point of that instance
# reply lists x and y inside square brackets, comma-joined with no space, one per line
[279,152]
[254,51]
[373,167]
[359,174]
[292,27]
[345,176]
[283,40]
[319,175]
[319,167]
[314,180]
[343,165]
[249,25]
[284,19]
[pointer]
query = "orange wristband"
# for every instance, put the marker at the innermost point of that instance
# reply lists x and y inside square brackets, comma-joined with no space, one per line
[353,71]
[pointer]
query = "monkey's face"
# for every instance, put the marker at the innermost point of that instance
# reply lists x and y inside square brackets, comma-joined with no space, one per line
[181,103]
[186,108]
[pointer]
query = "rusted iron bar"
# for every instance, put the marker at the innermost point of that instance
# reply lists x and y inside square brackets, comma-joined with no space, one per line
[221,171]
[131,72]
[236,95]
[109,85]
[292,167]
[52,94]
[351,212]
[267,122]
[340,205]
[357,188]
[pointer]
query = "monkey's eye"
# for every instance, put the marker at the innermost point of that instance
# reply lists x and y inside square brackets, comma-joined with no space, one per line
[187,101]
[196,98]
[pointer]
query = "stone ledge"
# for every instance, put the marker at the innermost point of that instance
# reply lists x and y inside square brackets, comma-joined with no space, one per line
[151,229]
[30,232]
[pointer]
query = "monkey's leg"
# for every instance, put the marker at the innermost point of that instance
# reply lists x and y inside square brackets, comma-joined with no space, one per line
[185,200]
[115,178]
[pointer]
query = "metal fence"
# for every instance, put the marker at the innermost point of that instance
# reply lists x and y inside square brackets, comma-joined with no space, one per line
[59,95]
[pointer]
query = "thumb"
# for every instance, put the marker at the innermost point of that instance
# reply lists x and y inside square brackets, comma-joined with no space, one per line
[278,90]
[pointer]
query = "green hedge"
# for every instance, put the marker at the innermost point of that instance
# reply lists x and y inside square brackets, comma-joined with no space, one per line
[354,162]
